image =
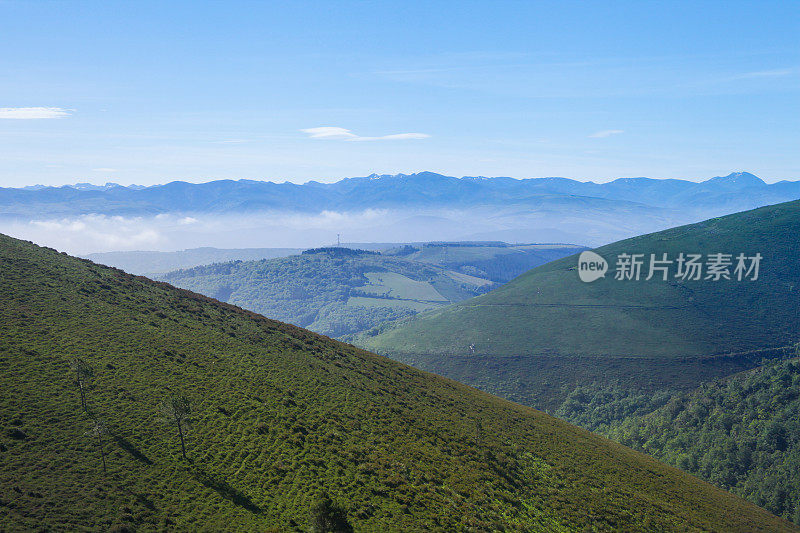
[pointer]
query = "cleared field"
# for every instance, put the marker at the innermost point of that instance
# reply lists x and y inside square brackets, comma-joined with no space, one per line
[466,278]
[396,285]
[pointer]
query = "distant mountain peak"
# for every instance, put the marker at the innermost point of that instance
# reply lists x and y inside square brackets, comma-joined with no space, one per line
[92,187]
[376,176]
[737,180]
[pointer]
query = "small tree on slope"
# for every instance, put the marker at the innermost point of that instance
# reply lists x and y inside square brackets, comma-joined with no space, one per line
[83,378]
[176,410]
[99,429]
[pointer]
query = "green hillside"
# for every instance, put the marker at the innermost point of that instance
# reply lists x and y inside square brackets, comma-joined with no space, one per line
[333,291]
[497,261]
[741,433]
[282,417]
[546,331]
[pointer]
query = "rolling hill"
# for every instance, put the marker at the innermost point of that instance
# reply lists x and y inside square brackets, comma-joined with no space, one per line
[289,429]
[334,291]
[341,291]
[546,332]
[496,261]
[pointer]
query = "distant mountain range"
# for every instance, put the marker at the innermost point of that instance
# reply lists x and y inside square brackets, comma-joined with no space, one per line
[398,208]
[736,191]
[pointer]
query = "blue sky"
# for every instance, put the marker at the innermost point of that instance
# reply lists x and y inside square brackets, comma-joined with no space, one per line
[148,93]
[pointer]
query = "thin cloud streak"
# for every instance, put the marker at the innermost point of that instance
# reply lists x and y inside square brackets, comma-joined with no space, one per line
[342,134]
[605,133]
[777,73]
[30,113]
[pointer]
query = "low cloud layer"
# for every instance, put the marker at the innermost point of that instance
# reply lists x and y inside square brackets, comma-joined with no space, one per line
[92,232]
[342,134]
[28,113]
[87,234]
[165,232]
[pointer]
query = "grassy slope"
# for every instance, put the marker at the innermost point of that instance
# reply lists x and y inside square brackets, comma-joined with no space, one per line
[741,433]
[548,313]
[322,291]
[280,415]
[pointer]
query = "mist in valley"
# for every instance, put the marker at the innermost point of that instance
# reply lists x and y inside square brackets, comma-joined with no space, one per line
[93,233]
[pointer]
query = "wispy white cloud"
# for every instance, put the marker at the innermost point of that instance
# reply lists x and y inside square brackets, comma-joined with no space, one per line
[329,132]
[342,134]
[775,73]
[602,134]
[103,169]
[27,113]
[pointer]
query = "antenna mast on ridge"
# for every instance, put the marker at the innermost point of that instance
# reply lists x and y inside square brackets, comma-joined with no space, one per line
[338,242]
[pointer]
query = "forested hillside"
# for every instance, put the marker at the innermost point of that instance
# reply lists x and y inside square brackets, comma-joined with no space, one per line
[740,433]
[334,291]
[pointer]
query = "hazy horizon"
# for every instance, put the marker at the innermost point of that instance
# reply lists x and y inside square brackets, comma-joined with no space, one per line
[99,182]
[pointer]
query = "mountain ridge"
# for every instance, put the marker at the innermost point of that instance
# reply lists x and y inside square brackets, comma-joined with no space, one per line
[733,177]
[401,208]
[422,189]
